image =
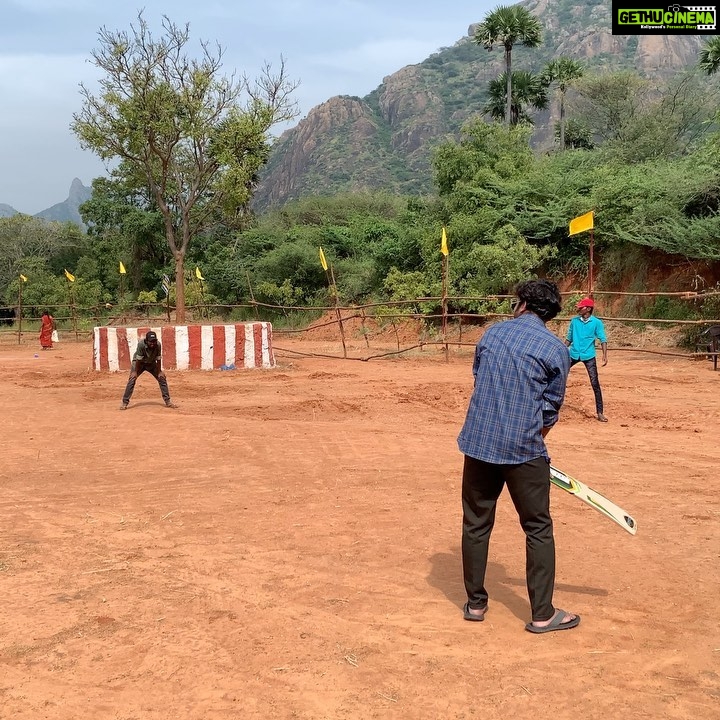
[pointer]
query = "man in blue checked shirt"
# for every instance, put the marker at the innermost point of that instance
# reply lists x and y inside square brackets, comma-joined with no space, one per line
[520,371]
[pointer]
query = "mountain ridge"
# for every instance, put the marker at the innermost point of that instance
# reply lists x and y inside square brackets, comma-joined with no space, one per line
[65,211]
[385,139]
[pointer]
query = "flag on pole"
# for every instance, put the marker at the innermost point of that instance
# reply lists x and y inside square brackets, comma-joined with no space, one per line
[443,244]
[122,268]
[69,276]
[198,274]
[166,285]
[23,278]
[323,261]
[582,223]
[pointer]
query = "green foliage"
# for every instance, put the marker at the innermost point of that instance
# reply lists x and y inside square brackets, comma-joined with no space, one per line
[182,133]
[667,308]
[284,294]
[486,156]
[528,90]
[297,262]
[709,60]
[497,266]
[53,245]
[637,121]
[508,26]
[578,135]
[410,286]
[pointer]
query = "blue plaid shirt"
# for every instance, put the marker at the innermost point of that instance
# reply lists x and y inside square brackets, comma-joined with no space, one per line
[520,371]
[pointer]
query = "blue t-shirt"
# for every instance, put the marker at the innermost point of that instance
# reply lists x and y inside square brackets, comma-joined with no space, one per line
[581,335]
[520,373]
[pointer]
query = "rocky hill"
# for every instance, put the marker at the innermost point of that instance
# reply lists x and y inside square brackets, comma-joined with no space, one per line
[385,139]
[65,211]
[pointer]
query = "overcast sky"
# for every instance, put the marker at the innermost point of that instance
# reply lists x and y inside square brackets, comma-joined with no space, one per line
[333,47]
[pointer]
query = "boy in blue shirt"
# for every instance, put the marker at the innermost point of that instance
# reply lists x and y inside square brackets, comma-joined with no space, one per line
[580,339]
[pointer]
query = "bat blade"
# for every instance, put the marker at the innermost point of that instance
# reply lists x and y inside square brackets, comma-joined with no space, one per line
[594,499]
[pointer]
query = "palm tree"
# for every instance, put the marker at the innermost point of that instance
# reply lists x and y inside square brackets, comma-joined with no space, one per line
[527,89]
[563,71]
[508,26]
[710,56]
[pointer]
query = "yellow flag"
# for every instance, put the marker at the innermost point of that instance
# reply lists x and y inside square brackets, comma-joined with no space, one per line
[582,223]
[69,276]
[198,274]
[323,261]
[122,268]
[443,244]
[23,278]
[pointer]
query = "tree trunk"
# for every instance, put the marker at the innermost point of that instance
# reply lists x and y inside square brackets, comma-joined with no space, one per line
[562,122]
[508,86]
[180,287]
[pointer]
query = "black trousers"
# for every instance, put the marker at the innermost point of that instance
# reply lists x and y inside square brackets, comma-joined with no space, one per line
[529,487]
[592,371]
[138,369]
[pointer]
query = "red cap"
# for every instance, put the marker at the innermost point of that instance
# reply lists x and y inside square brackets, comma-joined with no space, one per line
[586,302]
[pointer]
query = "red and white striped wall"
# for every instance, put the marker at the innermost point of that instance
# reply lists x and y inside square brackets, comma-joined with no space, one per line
[188,347]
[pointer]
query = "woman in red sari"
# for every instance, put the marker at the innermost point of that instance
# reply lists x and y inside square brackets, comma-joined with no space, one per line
[46,330]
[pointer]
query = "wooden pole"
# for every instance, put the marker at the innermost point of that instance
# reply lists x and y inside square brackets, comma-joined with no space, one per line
[72,308]
[444,305]
[204,312]
[337,311]
[365,330]
[19,313]
[591,263]
[252,296]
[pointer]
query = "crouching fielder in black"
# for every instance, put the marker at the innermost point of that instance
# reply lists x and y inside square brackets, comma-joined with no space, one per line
[147,357]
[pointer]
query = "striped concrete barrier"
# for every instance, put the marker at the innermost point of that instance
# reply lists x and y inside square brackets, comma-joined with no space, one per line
[188,347]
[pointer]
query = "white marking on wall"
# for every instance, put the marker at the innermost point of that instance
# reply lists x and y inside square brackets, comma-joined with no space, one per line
[182,347]
[249,346]
[207,340]
[230,345]
[96,348]
[132,341]
[109,337]
[113,360]
[265,346]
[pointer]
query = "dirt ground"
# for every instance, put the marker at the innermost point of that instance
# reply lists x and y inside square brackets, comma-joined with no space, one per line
[286,545]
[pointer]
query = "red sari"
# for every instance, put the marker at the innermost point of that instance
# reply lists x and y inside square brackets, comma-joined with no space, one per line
[46,329]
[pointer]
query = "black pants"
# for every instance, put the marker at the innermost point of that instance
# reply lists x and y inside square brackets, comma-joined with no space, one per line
[592,371]
[529,487]
[138,369]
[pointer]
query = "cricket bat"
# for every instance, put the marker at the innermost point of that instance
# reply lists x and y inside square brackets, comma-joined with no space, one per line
[593,499]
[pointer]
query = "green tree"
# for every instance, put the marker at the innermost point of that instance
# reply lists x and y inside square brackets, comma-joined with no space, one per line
[710,56]
[562,71]
[577,135]
[124,225]
[23,237]
[509,26]
[638,121]
[527,89]
[472,172]
[195,138]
